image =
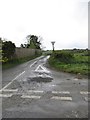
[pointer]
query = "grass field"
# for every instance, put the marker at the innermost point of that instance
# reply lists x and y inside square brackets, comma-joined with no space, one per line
[72,61]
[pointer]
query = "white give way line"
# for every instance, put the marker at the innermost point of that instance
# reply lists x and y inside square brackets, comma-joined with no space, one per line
[41,69]
[16,77]
[12,81]
[33,63]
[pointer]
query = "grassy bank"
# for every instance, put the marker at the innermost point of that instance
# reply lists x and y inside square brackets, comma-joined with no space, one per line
[72,61]
[16,62]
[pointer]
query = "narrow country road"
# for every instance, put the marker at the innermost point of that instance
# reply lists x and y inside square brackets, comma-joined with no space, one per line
[33,90]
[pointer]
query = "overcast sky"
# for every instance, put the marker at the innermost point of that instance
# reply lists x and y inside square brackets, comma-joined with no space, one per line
[62,21]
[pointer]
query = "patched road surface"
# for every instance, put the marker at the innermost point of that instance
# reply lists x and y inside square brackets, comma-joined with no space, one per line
[32,90]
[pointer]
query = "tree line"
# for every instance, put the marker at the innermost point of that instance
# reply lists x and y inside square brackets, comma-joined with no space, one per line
[7,48]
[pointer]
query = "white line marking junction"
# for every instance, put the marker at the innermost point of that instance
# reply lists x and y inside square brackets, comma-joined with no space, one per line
[32,96]
[12,81]
[33,63]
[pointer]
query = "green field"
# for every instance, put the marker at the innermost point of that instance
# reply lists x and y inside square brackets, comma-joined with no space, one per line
[72,61]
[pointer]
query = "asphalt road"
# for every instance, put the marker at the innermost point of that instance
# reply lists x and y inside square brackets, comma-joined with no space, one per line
[33,90]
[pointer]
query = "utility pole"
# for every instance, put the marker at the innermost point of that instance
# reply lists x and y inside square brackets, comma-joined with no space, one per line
[53,42]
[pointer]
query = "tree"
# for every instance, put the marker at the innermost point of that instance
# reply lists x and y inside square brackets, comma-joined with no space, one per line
[0,43]
[22,46]
[33,42]
[8,49]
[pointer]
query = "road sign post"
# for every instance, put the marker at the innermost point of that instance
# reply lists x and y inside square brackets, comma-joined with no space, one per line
[53,42]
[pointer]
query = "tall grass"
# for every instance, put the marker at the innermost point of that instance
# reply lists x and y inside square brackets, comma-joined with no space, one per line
[71,61]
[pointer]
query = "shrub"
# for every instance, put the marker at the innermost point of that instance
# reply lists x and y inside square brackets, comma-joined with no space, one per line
[8,50]
[64,56]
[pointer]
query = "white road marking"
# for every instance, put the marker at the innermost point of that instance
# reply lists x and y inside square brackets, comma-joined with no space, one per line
[10,90]
[84,92]
[41,69]
[76,79]
[32,96]
[35,91]
[60,92]
[52,85]
[62,98]
[6,95]
[33,63]
[87,99]
[12,81]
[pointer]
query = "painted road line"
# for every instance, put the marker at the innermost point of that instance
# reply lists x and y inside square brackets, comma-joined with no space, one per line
[12,81]
[6,95]
[10,90]
[35,91]
[87,99]
[32,97]
[84,92]
[52,85]
[76,79]
[60,92]
[41,69]
[62,98]
[33,63]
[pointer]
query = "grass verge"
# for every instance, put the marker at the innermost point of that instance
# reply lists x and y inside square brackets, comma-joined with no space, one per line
[16,62]
[79,63]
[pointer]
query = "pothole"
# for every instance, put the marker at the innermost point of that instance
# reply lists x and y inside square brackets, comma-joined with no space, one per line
[40,78]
